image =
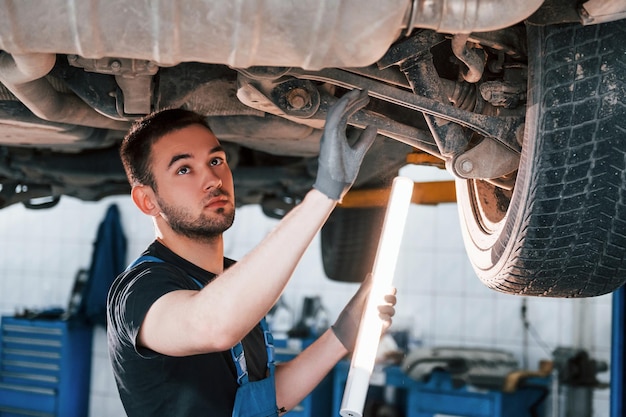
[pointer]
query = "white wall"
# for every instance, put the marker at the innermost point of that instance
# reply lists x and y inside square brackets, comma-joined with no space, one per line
[439,296]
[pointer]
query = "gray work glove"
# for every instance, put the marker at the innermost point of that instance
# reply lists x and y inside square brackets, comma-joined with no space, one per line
[346,327]
[339,161]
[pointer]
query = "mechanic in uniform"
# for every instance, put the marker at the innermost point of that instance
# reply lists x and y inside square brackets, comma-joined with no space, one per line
[186,328]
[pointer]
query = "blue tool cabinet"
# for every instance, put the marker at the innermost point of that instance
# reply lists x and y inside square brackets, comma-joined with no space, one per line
[45,368]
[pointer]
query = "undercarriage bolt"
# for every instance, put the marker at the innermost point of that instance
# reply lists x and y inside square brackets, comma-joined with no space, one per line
[116,66]
[466,166]
[298,98]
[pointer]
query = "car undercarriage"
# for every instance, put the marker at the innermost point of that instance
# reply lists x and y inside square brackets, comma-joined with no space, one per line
[522,103]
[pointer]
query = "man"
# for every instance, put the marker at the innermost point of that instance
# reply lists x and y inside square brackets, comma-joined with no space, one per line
[177,315]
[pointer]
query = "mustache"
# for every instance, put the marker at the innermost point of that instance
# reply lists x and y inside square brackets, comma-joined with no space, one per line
[216,192]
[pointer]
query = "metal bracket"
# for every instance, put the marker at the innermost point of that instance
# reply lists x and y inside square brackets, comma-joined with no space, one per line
[488,159]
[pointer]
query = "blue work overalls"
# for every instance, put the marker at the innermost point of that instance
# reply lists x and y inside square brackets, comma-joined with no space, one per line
[253,398]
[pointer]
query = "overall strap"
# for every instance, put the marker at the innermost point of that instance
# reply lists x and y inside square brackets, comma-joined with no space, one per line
[269,345]
[239,358]
[236,352]
[149,258]
[141,259]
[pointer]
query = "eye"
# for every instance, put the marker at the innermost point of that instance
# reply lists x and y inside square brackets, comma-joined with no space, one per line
[182,170]
[217,161]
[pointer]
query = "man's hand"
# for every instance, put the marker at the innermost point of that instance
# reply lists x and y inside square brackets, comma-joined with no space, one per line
[339,161]
[347,325]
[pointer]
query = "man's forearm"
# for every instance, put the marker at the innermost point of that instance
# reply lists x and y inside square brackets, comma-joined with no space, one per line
[298,377]
[248,290]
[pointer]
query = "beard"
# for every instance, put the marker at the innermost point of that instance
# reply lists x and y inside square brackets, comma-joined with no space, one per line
[202,228]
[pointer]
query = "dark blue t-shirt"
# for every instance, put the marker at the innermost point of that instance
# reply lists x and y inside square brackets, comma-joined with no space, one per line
[152,384]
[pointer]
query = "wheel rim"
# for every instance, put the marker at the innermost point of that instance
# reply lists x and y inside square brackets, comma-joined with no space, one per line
[489,205]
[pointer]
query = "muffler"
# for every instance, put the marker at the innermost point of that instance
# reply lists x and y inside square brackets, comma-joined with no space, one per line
[241,33]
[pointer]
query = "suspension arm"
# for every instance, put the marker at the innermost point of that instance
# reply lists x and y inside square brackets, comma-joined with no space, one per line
[504,130]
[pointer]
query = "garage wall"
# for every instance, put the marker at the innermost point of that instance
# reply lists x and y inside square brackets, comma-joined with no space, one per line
[440,300]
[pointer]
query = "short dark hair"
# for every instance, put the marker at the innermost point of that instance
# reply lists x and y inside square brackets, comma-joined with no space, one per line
[136,148]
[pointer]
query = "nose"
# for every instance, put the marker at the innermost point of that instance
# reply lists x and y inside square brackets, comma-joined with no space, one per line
[211,179]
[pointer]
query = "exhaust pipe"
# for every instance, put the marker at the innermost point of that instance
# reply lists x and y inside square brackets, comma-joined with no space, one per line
[23,75]
[466,16]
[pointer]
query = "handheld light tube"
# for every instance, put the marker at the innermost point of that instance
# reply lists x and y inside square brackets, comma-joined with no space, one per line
[371,326]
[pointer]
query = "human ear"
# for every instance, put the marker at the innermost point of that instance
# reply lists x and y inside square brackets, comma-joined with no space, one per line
[144,199]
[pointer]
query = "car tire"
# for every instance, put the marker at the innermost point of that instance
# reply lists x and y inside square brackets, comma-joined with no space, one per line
[349,241]
[561,232]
